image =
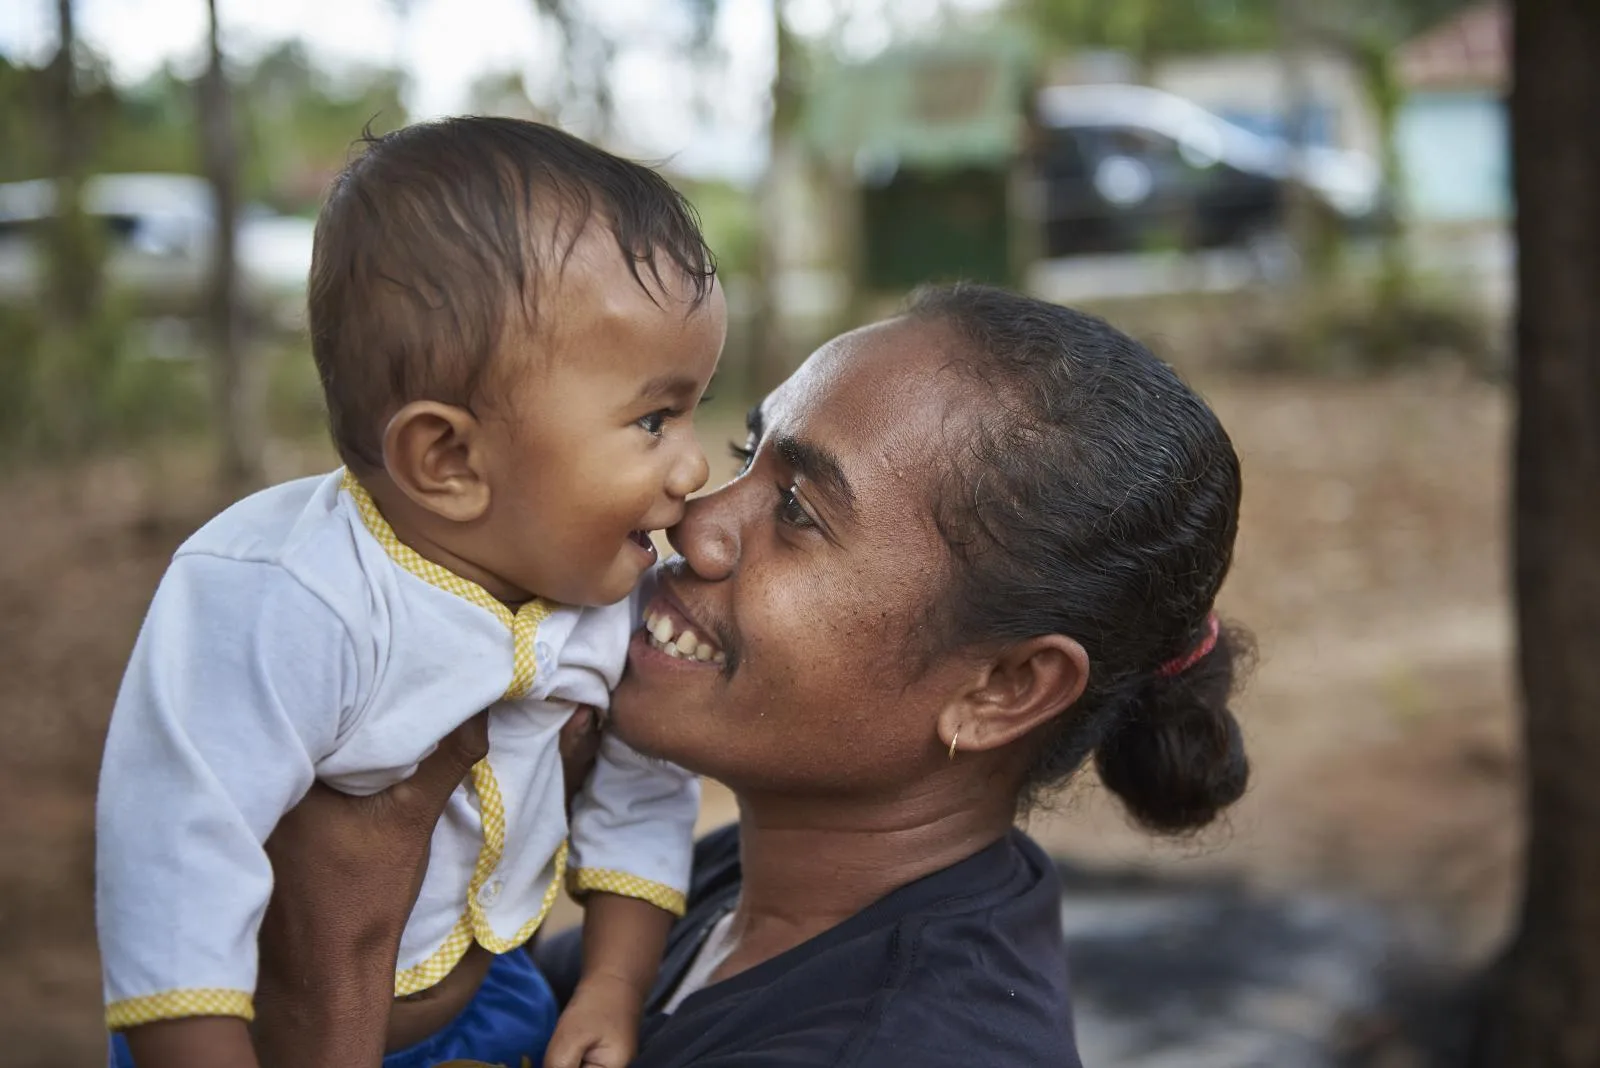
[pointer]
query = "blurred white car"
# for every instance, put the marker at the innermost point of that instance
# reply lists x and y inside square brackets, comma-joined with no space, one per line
[158,245]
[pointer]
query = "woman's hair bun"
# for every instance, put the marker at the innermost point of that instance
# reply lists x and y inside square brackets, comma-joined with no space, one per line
[1176,759]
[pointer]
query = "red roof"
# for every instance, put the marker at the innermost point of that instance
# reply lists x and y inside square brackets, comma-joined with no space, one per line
[1470,50]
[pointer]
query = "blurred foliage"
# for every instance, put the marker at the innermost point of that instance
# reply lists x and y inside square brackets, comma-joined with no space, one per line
[1150,29]
[100,387]
[1342,331]
[1359,330]
[104,386]
[97,374]
[120,377]
[1146,29]
[297,122]
[728,218]
[294,406]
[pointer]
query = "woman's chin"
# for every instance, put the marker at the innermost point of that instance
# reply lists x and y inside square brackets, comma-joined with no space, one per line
[644,698]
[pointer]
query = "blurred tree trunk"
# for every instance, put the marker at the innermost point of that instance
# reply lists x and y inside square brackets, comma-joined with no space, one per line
[1299,219]
[74,283]
[1373,57]
[235,407]
[1547,1014]
[770,358]
[75,349]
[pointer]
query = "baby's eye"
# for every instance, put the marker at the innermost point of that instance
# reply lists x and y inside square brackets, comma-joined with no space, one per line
[654,423]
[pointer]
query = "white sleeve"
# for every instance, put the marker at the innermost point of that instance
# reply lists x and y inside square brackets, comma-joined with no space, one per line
[633,828]
[236,687]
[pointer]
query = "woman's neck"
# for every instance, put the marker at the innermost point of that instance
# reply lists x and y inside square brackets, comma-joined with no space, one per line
[808,867]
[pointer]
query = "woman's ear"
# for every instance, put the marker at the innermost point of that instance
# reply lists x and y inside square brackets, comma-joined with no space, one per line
[1025,685]
[436,454]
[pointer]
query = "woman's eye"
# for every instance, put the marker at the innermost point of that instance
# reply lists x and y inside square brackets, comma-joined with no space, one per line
[790,511]
[745,454]
[654,423]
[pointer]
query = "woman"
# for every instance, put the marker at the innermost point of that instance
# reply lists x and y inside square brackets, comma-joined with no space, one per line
[971,547]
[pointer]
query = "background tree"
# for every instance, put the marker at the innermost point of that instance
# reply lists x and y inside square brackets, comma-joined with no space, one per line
[1547,1012]
[74,282]
[73,352]
[236,406]
[770,358]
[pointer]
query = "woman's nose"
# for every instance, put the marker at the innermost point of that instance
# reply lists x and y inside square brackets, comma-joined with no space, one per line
[708,535]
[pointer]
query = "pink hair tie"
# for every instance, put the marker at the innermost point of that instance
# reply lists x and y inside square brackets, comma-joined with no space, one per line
[1179,665]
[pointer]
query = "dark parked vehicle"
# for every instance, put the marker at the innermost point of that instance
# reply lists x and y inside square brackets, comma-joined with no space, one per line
[1129,168]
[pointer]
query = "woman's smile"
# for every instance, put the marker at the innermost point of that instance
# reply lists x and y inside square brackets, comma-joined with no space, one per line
[669,630]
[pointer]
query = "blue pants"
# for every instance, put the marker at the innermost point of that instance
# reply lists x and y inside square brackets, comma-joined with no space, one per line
[507,1024]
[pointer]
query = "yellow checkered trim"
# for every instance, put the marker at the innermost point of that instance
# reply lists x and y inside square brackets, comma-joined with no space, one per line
[490,941]
[492,812]
[177,1004]
[442,963]
[583,880]
[523,624]
[470,925]
[524,627]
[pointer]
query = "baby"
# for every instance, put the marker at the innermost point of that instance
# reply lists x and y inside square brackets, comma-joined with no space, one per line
[513,330]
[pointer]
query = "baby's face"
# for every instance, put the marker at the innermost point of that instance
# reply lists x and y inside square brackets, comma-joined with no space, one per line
[594,446]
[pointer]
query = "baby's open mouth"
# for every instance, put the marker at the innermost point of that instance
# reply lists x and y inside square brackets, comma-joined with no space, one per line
[678,639]
[641,538]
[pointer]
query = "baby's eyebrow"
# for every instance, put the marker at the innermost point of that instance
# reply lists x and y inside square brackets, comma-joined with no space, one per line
[666,386]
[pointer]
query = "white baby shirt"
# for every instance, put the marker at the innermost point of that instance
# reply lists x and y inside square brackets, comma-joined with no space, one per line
[294,638]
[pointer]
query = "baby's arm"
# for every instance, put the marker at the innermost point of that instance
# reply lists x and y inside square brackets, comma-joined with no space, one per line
[233,691]
[632,839]
[623,939]
[193,1042]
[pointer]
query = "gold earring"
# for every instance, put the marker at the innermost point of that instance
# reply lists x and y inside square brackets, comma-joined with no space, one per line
[953,738]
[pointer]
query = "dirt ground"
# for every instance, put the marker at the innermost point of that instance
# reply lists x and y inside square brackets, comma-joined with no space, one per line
[1370,567]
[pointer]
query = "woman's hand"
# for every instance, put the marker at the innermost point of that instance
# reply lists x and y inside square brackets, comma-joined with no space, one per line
[346,875]
[580,746]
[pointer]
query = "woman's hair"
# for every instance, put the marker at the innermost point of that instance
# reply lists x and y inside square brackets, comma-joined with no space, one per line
[1098,498]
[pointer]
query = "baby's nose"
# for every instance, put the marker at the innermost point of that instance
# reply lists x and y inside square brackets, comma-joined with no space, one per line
[689,474]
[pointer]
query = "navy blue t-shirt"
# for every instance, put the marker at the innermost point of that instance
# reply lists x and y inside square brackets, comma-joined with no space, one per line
[964,968]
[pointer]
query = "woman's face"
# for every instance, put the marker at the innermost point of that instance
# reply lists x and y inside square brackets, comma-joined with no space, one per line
[809,577]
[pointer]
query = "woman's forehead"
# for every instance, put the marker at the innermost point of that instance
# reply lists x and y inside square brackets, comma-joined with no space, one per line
[882,381]
[872,410]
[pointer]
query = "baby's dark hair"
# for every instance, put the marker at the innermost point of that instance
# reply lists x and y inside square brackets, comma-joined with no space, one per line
[1099,499]
[440,237]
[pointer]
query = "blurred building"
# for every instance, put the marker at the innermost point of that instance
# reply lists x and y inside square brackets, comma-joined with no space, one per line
[1451,134]
[930,142]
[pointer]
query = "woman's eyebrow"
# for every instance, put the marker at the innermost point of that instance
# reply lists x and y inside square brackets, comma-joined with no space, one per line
[753,422]
[820,467]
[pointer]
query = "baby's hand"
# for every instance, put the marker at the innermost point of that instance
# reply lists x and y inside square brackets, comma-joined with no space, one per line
[600,1027]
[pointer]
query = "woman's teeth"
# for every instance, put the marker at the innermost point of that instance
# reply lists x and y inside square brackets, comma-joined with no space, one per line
[685,644]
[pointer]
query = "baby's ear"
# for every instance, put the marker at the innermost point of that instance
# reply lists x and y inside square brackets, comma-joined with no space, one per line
[435,454]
